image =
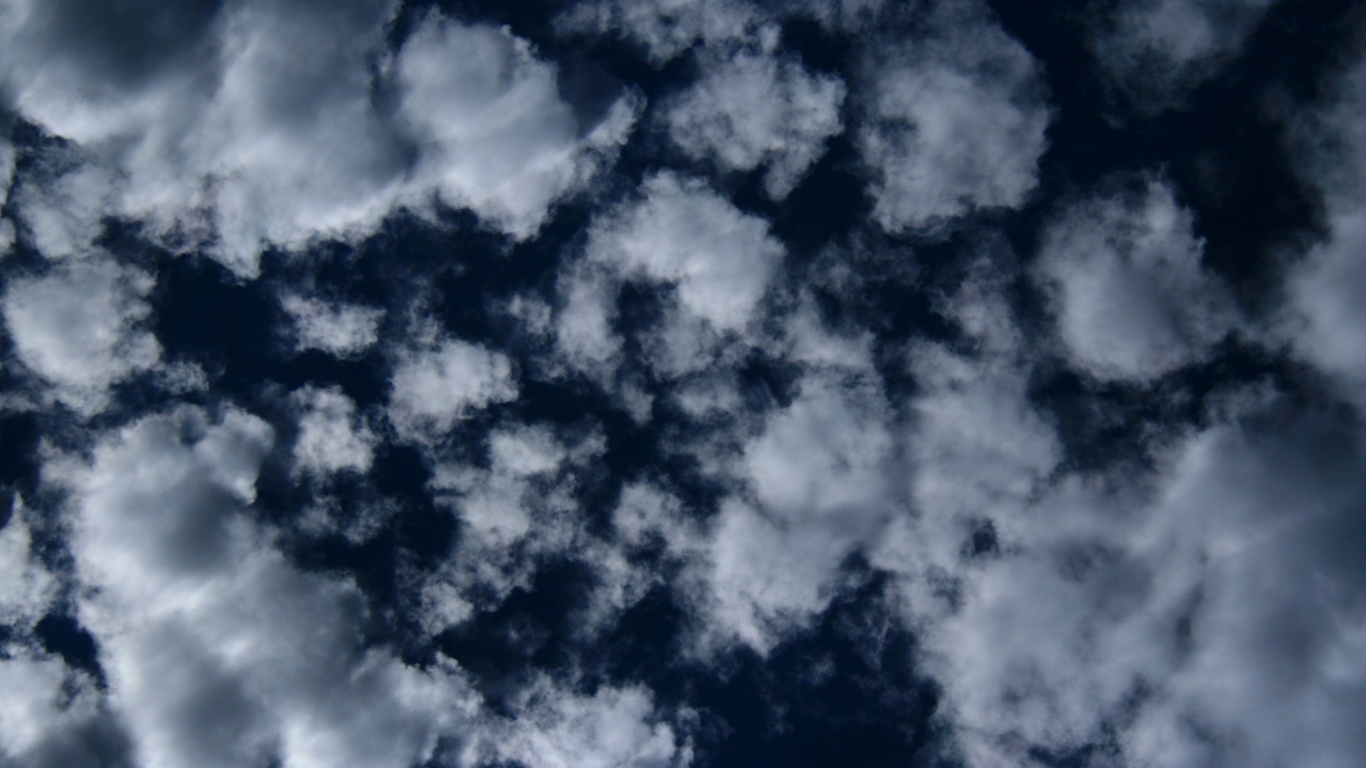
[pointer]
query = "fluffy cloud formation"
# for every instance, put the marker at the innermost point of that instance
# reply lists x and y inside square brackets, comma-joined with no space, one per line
[820,475]
[81,327]
[750,109]
[1123,277]
[1159,49]
[339,329]
[717,261]
[952,122]
[1328,288]
[433,388]
[330,439]
[224,138]
[1210,623]
[612,727]
[26,587]
[691,457]
[218,651]
[514,513]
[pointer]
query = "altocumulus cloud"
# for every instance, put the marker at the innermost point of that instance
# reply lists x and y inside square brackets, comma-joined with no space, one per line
[664,383]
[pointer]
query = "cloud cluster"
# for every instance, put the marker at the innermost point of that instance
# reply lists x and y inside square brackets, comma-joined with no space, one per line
[581,477]
[749,110]
[954,121]
[716,261]
[82,327]
[217,649]
[1123,277]
[214,132]
[1327,288]
[435,387]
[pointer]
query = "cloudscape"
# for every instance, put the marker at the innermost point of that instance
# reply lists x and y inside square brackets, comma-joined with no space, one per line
[682,384]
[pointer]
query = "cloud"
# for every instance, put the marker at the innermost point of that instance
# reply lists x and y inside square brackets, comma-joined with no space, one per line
[977,450]
[330,439]
[1157,50]
[50,716]
[950,123]
[217,650]
[226,139]
[716,261]
[752,108]
[1123,278]
[434,388]
[1214,621]
[514,513]
[339,329]
[60,203]
[26,586]
[1327,289]
[819,477]
[498,138]
[664,28]
[555,728]
[81,327]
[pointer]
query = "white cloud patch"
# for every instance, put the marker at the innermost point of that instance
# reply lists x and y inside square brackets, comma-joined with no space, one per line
[1327,290]
[331,439]
[218,651]
[752,109]
[211,129]
[1125,285]
[82,328]
[499,140]
[26,586]
[717,260]
[820,475]
[977,449]
[336,328]
[61,203]
[951,123]
[1157,50]
[514,512]
[1215,621]
[434,388]
[45,708]
[613,727]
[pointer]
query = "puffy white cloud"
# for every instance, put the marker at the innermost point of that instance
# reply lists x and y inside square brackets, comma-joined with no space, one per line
[210,128]
[952,122]
[752,108]
[497,137]
[434,388]
[217,650]
[514,513]
[61,203]
[1214,620]
[555,728]
[820,474]
[976,449]
[1125,285]
[1327,289]
[330,439]
[81,327]
[26,587]
[1159,49]
[337,328]
[717,260]
[44,705]
[680,232]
